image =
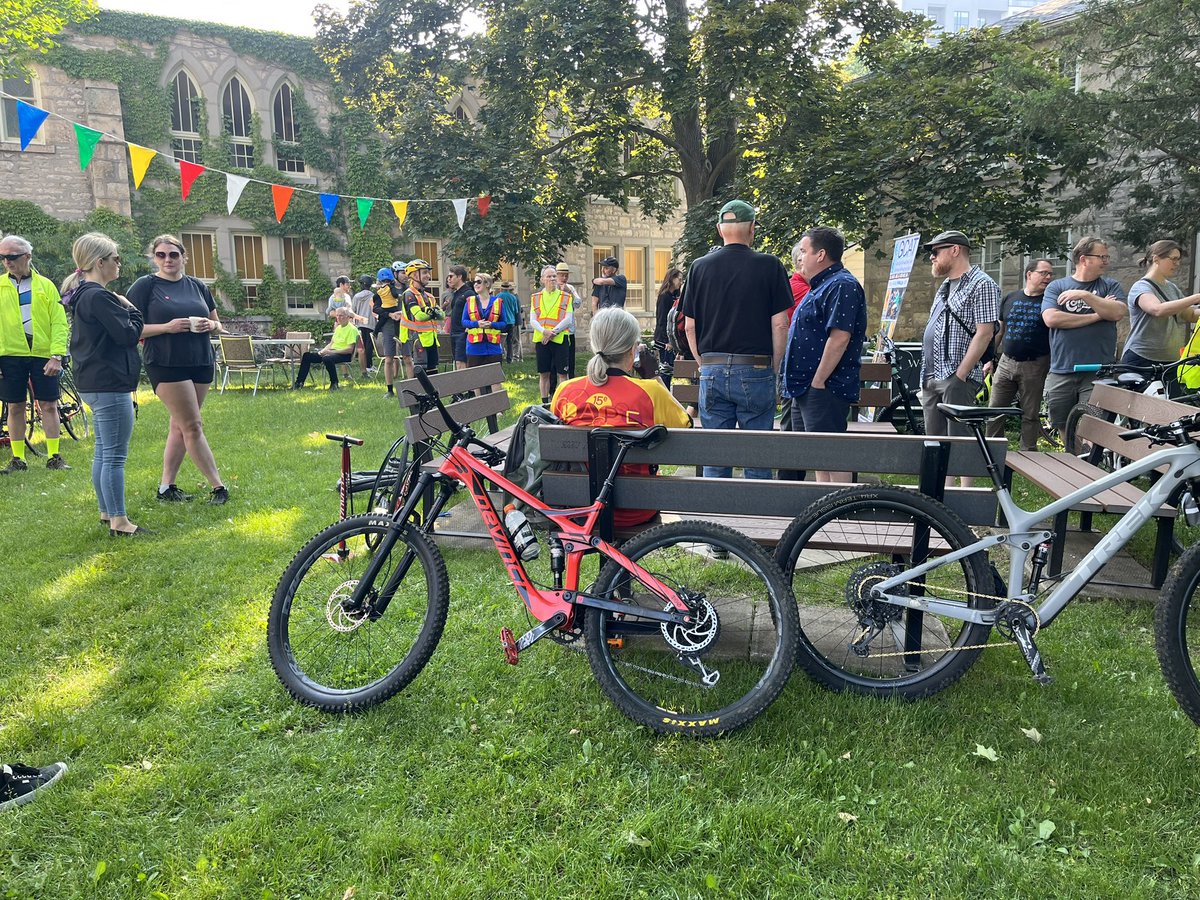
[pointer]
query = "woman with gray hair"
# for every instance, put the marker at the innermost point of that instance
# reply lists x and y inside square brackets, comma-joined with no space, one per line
[608,397]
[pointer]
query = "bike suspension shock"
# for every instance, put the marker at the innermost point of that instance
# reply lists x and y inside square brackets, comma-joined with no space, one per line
[557,561]
[1041,556]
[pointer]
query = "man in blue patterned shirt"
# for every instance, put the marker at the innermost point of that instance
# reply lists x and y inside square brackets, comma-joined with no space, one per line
[965,310]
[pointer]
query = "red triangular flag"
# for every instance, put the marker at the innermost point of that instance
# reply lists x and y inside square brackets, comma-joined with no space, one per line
[188,172]
[282,195]
[484,203]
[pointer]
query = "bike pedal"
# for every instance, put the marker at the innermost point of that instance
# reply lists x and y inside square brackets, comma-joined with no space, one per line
[509,643]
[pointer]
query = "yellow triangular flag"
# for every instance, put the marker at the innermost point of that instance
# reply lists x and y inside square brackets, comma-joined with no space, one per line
[400,207]
[139,161]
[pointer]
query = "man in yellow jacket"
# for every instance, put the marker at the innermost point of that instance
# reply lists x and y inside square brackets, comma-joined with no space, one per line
[33,340]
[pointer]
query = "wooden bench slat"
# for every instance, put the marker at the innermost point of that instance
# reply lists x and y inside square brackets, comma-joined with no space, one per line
[454,381]
[1154,410]
[473,409]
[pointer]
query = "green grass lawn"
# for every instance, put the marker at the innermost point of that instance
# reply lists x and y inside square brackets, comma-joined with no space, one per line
[192,774]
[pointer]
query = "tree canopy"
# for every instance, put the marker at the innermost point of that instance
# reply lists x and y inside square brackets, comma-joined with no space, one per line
[28,27]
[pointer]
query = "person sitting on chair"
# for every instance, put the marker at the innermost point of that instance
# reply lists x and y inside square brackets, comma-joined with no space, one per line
[340,349]
[607,397]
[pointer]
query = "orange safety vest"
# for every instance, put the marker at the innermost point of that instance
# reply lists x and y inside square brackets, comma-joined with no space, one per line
[422,315]
[549,318]
[476,314]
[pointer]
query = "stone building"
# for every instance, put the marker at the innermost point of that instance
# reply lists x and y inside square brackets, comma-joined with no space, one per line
[219,90]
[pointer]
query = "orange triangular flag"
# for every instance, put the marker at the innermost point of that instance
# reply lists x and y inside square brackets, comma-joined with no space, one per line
[400,207]
[188,172]
[139,161]
[484,203]
[282,195]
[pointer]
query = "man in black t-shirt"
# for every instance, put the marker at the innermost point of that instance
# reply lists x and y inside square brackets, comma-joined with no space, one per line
[1025,361]
[736,306]
[610,288]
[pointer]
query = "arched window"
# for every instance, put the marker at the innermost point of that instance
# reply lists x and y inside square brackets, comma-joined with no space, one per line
[460,115]
[185,118]
[237,114]
[287,134]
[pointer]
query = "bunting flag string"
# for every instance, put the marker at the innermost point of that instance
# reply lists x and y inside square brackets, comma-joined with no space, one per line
[188,173]
[329,203]
[30,119]
[281,194]
[139,161]
[234,185]
[87,138]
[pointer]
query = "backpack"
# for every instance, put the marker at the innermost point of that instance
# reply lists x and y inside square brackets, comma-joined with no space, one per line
[676,333]
[524,465]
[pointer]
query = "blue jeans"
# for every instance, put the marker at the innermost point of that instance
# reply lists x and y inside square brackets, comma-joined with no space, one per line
[112,422]
[737,397]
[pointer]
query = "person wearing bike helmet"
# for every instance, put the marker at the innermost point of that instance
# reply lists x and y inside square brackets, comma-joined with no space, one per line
[423,317]
[388,314]
[362,303]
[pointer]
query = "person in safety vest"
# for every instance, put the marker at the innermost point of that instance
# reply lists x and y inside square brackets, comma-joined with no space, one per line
[387,319]
[33,341]
[423,316]
[550,316]
[483,321]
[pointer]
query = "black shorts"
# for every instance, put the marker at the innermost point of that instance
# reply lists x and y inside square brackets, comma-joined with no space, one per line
[171,374]
[459,343]
[16,373]
[552,357]
[820,410]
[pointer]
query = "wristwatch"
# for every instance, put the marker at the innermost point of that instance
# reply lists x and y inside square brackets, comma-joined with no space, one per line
[57,356]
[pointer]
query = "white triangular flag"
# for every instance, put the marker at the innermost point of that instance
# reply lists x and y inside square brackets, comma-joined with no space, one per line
[234,185]
[460,210]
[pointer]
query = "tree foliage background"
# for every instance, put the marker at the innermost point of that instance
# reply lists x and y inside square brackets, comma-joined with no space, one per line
[28,27]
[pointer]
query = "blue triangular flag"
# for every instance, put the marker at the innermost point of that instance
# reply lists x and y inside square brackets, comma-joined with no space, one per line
[29,120]
[329,203]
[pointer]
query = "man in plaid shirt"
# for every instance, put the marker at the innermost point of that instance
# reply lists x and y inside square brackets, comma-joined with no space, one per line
[965,310]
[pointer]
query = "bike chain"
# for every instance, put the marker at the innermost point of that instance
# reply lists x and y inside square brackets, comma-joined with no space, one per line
[1037,625]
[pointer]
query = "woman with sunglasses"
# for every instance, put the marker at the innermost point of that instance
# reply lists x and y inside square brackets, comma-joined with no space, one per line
[483,321]
[180,316]
[105,329]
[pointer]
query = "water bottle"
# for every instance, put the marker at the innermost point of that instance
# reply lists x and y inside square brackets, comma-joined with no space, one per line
[524,540]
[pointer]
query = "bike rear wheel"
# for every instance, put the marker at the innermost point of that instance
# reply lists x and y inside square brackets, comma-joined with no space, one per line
[73,414]
[340,656]
[1177,632]
[745,631]
[832,555]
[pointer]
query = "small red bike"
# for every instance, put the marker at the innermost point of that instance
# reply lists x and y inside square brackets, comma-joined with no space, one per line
[688,627]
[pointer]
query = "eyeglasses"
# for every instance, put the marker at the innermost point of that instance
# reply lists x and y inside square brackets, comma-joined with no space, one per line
[170,254]
[1043,273]
[1102,256]
[13,257]
[1172,258]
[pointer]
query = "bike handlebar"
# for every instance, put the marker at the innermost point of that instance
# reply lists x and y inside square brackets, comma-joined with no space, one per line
[431,393]
[1177,432]
[1126,367]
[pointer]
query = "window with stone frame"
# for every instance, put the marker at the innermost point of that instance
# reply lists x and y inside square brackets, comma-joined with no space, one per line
[186,141]
[200,254]
[287,133]
[295,273]
[635,277]
[428,251]
[237,115]
[663,257]
[598,253]
[249,258]
[25,88]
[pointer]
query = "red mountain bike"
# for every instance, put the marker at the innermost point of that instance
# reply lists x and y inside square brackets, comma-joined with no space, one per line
[688,627]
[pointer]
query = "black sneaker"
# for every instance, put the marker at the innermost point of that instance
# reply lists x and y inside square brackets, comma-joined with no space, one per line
[57,462]
[14,465]
[173,495]
[220,496]
[19,783]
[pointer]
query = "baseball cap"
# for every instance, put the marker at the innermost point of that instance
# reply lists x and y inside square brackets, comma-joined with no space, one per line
[736,211]
[562,267]
[947,238]
[610,261]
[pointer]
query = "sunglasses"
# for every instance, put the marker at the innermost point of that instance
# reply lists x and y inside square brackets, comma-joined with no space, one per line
[172,254]
[13,257]
[936,250]
[479,281]
[115,258]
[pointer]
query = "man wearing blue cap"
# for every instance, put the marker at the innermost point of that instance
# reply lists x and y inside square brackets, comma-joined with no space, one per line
[736,306]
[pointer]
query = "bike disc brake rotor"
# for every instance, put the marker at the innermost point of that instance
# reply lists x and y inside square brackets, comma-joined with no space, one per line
[340,611]
[698,635]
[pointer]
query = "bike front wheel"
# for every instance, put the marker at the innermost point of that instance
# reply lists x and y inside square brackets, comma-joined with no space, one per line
[844,544]
[73,414]
[340,654]
[1177,632]
[715,674]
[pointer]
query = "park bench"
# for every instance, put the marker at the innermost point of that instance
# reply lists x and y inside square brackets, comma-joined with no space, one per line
[1060,474]
[760,509]
[871,394]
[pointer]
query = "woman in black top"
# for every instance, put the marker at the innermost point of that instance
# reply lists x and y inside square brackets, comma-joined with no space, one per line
[668,294]
[180,317]
[105,330]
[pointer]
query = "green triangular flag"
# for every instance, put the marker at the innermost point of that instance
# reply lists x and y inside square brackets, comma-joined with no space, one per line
[88,138]
[364,210]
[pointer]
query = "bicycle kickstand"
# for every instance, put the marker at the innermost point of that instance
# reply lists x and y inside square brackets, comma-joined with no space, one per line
[513,646]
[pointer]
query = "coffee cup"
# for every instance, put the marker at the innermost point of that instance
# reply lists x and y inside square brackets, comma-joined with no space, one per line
[194,322]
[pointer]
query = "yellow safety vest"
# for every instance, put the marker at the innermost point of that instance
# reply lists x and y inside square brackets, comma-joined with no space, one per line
[422,315]
[475,313]
[549,316]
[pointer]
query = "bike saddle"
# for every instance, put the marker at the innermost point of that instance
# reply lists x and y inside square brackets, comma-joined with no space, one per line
[643,438]
[976,413]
